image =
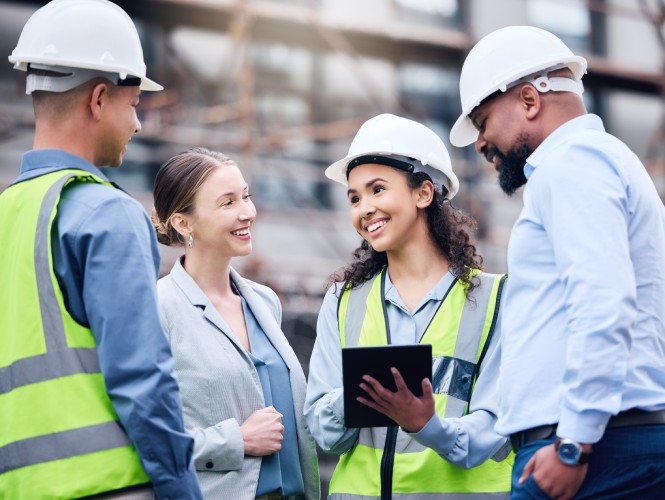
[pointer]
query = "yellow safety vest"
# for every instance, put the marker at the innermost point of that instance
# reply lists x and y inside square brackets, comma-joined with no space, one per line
[459,334]
[59,434]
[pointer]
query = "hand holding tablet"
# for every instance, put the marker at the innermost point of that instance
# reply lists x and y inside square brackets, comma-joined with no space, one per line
[386,392]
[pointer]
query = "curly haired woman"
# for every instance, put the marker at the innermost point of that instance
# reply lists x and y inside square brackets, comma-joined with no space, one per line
[416,278]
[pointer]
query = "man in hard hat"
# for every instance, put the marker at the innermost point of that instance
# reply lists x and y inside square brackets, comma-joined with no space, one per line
[582,380]
[88,401]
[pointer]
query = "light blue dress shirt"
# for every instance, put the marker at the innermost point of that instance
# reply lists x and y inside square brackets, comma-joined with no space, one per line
[467,441]
[106,259]
[584,308]
[279,471]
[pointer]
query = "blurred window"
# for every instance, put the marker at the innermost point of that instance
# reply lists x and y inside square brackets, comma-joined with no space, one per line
[272,192]
[570,20]
[436,12]
[281,65]
[283,184]
[431,91]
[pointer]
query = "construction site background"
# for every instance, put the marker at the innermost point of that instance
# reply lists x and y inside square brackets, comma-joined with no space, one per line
[281,86]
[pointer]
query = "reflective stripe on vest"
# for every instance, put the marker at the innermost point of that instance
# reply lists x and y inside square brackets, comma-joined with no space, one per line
[53,401]
[458,334]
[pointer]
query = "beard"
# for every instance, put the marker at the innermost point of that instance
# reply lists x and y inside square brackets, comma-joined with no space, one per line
[511,165]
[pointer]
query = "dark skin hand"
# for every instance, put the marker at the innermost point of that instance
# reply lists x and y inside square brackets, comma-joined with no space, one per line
[409,411]
[558,480]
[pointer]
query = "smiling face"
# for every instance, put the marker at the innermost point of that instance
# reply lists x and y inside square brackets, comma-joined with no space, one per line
[383,208]
[223,214]
[503,138]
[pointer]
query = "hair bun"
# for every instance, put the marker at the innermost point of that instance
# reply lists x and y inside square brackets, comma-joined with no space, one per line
[163,233]
[159,226]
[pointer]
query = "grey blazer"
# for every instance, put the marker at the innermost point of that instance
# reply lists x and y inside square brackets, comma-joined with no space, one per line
[220,387]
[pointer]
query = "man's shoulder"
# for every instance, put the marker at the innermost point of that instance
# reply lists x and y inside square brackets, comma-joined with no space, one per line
[94,193]
[87,208]
[88,197]
[588,139]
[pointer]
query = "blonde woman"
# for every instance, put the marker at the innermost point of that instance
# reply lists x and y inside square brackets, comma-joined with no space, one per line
[242,385]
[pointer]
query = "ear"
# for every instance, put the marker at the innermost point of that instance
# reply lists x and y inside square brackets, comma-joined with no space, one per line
[98,99]
[425,194]
[182,224]
[530,101]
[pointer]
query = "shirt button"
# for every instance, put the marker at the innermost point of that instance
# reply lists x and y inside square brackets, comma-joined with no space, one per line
[209,465]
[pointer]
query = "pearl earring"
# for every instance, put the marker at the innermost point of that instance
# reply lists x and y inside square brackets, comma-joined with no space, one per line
[190,242]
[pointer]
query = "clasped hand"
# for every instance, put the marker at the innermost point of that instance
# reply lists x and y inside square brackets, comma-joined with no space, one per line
[263,432]
[409,411]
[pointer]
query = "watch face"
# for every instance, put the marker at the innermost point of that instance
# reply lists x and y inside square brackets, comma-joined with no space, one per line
[569,452]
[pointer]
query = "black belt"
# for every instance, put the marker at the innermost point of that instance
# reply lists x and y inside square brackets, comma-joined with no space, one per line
[628,418]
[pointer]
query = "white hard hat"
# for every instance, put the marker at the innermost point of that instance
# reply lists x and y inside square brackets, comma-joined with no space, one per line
[403,140]
[505,57]
[95,36]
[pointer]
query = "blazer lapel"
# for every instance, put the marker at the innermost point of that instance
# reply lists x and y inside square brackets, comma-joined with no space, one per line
[274,333]
[267,321]
[196,296]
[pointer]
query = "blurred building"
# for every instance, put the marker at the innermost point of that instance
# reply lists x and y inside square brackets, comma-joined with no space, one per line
[282,86]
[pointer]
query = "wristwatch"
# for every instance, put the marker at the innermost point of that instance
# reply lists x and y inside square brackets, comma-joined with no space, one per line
[570,452]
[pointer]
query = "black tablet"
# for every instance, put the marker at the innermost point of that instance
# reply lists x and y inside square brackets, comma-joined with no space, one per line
[413,361]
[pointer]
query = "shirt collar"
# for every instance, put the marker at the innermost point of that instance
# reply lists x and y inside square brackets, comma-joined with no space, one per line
[568,129]
[187,284]
[192,290]
[41,161]
[438,292]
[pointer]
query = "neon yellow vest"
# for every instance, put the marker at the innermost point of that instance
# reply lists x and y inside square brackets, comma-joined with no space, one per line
[59,434]
[458,334]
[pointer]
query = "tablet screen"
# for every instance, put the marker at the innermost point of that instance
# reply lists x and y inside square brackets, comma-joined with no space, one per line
[413,361]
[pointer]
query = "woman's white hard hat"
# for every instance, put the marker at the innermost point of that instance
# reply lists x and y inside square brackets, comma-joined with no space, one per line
[388,135]
[506,56]
[95,36]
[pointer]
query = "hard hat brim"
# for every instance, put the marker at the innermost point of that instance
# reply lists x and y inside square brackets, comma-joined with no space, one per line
[149,85]
[21,63]
[337,171]
[463,132]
